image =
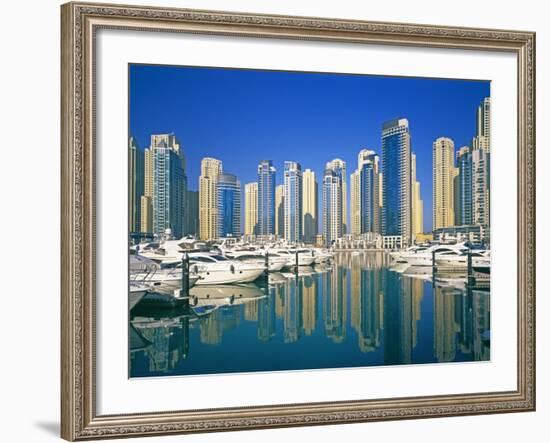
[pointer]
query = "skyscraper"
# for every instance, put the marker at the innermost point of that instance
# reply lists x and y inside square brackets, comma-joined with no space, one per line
[368,167]
[310,206]
[280,210]
[148,191]
[464,193]
[443,183]
[480,187]
[332,206]
[251,208]
[169,185]
[355,202]
[211,168]
[293,201]
[266,198]
[481,165]
[417,205]
[396,160]
[192,208]
[135,185]
[229,205]
[483,132]
[339,166]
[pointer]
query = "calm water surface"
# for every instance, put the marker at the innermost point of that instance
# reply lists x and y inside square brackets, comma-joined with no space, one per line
[354,312]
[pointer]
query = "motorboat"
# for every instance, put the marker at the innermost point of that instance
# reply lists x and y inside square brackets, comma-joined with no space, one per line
[169,277]
[274,262]
[169,252]
[306,257]
[322,255]
[136,293]
[424,257]
[397,255]
[215,269]
[480,258]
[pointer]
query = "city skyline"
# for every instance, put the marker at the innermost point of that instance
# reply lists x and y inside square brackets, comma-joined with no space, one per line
[289,136]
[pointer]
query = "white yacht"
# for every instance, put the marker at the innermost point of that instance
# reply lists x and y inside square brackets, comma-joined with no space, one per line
[424,257]
[397,255]
[306,257]
[147,273]
[322,255]
[169,251]
[275,262]
[215,269]
[136,293]
[480,258]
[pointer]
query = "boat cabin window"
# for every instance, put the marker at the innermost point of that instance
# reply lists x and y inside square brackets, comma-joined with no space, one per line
[219,257]
[202,259]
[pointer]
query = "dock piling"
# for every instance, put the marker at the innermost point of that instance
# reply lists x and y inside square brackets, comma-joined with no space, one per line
[471,277]
[184,275]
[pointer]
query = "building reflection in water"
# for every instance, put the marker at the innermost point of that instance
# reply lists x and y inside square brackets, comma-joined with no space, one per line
[393,318]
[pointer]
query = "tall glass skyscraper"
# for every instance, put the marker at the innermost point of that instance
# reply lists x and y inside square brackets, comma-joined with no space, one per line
[339,167]
[136,185]
[293,201]
[368,185]
[332,206]
[170,185]
[463,213]
[229,205]
[266,198]
[396,161]
[443,183]
[310,206]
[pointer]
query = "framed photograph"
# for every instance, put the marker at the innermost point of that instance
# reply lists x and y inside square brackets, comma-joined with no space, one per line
[284,221]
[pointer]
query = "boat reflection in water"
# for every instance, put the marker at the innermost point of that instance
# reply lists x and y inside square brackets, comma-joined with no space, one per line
[355,312]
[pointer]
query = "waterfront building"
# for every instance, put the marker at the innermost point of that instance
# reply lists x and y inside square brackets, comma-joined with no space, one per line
[148,191]
[229,205]
[136,185]
[480,187]
[332,206]
[169,185]
[339,167]
[443,183]
[211,169]
[463,211]
[417,204]
[293,201]
[368,164]
[266,198]
[392,241]
[280,210]
[483,128]
[396,159]
[472,233]
[146,204]
[474,185]
[251,208]
[309,206]
[192,210]
[355,202]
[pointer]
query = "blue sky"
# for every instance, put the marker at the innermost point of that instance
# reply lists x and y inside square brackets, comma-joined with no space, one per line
[244,116]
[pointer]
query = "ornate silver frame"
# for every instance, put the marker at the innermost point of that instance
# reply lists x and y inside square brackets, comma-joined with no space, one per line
[80,21]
